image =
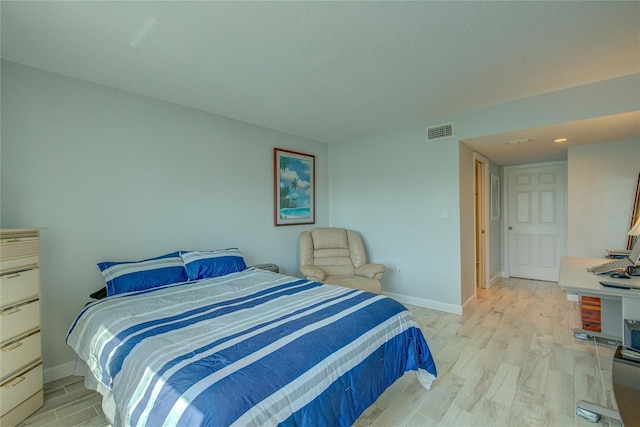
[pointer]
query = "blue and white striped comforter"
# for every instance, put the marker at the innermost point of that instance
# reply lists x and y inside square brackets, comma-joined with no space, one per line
[250,348]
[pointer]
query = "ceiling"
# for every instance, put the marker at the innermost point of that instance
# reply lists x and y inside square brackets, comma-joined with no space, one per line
[335,71]
[539,144]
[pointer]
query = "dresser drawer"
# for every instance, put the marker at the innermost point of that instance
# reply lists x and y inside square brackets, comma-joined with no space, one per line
[18,319]
[23,410]
[19,353]
[18,252]
[19,247]
[19,388]
[19,286]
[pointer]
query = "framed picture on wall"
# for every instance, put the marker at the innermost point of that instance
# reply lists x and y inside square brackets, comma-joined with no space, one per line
[294,187]
[495,198]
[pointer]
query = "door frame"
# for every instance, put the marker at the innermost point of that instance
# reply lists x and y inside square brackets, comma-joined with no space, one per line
[505,207]
[486,202]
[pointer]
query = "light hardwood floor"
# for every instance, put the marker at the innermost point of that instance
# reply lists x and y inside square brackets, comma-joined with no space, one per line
[511,360]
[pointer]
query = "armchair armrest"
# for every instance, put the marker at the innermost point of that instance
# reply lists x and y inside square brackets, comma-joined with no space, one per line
[373,271]
[311,272]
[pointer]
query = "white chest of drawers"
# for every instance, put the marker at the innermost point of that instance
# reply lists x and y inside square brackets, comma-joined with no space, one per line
[20,339]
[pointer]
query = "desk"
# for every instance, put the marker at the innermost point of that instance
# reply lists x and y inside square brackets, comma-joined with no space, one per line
[616,304]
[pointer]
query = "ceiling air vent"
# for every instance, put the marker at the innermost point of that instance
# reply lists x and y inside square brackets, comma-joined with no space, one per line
[439,132]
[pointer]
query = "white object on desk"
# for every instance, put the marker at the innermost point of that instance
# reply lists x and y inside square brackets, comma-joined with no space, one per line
[618,252]
[625,262]
[616,304]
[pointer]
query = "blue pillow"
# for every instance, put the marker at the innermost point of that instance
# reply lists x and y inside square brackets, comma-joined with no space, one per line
[123,277]
[202,265]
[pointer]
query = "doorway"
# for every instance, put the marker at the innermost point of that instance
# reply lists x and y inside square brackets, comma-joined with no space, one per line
[481,205]
[536,220]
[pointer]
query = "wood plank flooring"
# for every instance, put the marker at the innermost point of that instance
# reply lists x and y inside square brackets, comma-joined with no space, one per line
[511,360]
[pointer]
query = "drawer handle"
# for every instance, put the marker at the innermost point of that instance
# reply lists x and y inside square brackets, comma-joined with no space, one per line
[14,382]
[12,346]
[11,276]
[11,311]
[10,240]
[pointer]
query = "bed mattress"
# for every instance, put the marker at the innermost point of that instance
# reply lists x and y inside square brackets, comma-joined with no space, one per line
[249,348]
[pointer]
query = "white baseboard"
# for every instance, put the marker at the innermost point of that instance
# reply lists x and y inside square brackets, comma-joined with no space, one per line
[57,372]
[426,303]
[472,300]
[497,277]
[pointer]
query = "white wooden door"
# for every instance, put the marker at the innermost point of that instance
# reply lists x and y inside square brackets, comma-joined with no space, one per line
[536,221]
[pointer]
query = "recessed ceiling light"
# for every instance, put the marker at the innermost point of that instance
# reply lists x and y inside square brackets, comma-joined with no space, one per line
[560,140]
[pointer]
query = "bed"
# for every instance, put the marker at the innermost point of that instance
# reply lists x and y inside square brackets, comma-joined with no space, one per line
[249,347]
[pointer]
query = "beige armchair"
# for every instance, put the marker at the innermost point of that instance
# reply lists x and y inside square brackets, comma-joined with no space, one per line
[336,256]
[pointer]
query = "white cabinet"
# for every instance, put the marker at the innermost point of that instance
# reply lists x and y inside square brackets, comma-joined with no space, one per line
[20,339]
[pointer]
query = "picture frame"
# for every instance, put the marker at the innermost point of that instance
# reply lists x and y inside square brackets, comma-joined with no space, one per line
[294,187]
[495,197]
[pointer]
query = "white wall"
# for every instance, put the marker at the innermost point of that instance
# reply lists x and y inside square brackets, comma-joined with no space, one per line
[601,182]
[394,185]
[116,176]
[392,188]
[119,176]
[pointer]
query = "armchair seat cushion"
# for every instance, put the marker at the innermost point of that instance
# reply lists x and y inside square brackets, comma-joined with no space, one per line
[355,282]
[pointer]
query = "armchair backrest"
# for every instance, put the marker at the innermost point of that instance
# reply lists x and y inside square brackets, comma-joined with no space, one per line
[336,251]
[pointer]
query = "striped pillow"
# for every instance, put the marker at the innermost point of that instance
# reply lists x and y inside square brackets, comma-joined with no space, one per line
[123,277]
[202,265]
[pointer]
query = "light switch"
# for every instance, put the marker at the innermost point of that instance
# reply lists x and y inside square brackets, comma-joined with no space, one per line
[445,213]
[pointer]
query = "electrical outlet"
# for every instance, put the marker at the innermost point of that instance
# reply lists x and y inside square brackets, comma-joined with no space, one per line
[399,271]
